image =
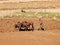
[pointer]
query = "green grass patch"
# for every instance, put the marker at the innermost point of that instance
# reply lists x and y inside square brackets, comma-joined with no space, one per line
[33,15]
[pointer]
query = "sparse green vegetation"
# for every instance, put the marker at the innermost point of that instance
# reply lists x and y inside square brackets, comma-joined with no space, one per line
[33,15]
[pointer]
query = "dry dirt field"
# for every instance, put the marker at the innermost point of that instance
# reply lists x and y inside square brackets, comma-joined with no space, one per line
[10,36]
[30,38]
[30,5]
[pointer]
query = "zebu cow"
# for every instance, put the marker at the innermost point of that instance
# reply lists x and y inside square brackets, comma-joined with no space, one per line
[17,25]
[24,26]
[30,26]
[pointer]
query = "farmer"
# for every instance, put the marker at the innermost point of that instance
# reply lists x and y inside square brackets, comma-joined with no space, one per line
[41,24]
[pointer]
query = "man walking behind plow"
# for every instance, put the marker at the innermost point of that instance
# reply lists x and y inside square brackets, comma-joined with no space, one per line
[41,24]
